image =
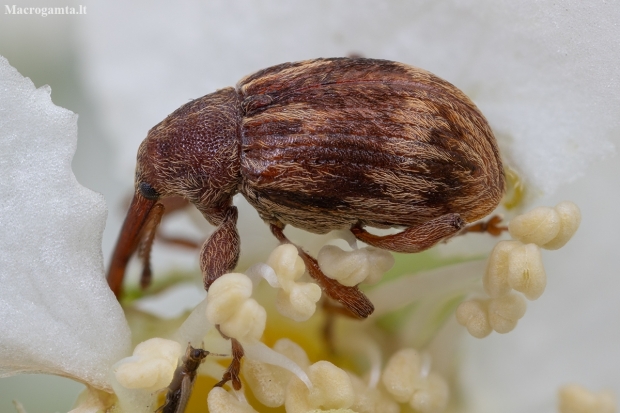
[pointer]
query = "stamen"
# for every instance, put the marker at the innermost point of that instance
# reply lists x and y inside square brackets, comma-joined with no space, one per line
[538,226]
[574,398]
[332,389]
[152,365]
[526,271]
[295,300]
[221,401]
[261,352]
[229,305]
[353,267]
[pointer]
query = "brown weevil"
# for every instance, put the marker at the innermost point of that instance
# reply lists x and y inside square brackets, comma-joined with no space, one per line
[322,145]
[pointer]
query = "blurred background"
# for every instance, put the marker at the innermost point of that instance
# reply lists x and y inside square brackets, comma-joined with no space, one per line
[546,75]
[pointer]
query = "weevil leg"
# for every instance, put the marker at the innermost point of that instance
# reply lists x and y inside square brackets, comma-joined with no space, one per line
[220,252]
[178,241]
[414,239]
[148,236]
[350,297]
[232,372]
[490,226]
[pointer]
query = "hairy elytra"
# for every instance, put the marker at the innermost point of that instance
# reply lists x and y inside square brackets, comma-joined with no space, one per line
[323,144]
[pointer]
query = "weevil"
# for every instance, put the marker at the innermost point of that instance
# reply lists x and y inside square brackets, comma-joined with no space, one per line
[180,387]
[322,145]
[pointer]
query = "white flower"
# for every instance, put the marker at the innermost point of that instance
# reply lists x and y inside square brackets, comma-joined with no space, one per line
[58,315]
[545,74]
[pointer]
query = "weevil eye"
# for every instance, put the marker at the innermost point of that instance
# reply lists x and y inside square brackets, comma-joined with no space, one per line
[148,191]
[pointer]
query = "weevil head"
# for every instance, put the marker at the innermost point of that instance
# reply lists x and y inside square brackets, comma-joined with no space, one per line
[193,153]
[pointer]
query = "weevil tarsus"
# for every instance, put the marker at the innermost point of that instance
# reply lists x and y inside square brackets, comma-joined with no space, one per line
[353,300]
[490,226]
[414,239]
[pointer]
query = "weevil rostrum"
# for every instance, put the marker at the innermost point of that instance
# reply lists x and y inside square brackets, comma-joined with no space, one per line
[322,145]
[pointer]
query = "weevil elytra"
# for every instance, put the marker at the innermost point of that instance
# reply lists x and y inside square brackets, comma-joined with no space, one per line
[325,144]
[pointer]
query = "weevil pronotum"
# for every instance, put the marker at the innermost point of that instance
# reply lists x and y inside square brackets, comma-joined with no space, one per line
[325,144]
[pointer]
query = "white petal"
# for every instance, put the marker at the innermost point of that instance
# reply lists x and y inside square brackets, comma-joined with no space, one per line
[58,314]
[576,320]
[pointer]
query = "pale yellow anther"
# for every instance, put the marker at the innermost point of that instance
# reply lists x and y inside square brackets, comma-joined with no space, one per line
[431,395]
[225,296]
[574,398]
[293,351]
[332,389]
[220,401]
[152,365]
[248,323]
[504,312]
[298,300]
[495,280]
[331,411]
[269,382]
[570,218]
[402,373]
[473,315]
[159,347]
[371,400]
[286,263]
[229,305]
[353,267]
[526,271]
[538,226]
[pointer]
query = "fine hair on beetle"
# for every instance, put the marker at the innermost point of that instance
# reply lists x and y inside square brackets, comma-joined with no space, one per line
[322,145]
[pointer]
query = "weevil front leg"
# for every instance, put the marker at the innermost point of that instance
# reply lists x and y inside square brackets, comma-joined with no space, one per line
[220,253]
[414,239]
[350,297]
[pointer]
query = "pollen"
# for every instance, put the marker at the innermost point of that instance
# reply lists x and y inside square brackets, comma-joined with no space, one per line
[331,389]
[296,300]
[408,379]
[517,265]
[152,365]
[574,398]
[351,268]
[230,305]
[221,401]
[269,382]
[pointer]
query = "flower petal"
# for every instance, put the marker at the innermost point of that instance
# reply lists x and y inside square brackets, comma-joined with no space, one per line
[58,314]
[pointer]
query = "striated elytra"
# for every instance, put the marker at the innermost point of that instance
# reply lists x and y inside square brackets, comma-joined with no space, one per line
[321,145]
